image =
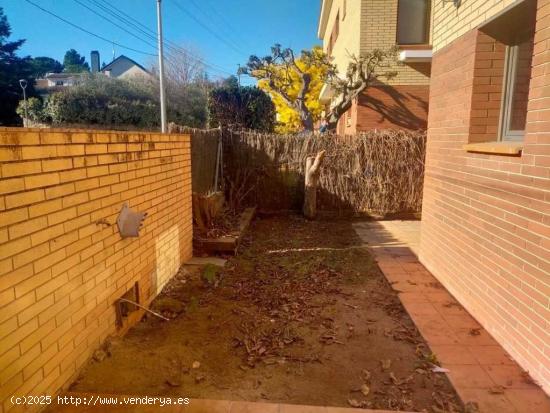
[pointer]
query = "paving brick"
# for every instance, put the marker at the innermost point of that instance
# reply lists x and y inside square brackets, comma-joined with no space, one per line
[475,360]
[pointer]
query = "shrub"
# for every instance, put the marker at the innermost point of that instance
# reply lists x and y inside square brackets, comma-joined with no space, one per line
[235,106]
[104,101]
[35,110]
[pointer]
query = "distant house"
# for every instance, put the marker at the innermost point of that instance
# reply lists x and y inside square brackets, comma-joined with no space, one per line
[120,68]
[61,79]
[123,68]
[54,82]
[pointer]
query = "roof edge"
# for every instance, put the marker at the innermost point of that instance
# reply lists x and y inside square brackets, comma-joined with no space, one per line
[326,5]
[123,57]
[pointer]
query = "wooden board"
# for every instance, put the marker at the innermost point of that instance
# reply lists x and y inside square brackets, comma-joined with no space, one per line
[228,243]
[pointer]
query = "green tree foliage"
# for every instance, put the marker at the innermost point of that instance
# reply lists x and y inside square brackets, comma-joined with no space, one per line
[186,89]
[35,110]
[248,107]
[74,63]
[42,65]
[101,100]
[187,105]
[12,69]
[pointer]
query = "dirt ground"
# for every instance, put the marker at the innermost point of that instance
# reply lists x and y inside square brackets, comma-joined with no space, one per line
[302,315]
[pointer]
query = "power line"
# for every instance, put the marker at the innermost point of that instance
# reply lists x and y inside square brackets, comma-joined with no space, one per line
[127,19]
[169,58]
[220,17]
[109,9]
[89,32]
[115,24]
[220,38]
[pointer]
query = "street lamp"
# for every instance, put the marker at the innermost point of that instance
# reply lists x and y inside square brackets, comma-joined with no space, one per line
[23,84]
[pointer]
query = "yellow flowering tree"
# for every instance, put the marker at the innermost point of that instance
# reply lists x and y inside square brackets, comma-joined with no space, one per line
[294,84]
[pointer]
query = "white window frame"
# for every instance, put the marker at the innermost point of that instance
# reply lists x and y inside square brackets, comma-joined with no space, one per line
[510,72]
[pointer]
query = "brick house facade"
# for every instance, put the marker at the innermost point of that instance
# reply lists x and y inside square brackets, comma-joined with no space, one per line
[486,210]
[353,27]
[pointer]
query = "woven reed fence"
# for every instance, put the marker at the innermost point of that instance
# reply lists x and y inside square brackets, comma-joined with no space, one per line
[379,172]
[204,154]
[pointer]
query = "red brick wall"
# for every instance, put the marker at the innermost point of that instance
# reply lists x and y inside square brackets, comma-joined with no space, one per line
[393,107]
[347,124]
[486,218]
[487,84]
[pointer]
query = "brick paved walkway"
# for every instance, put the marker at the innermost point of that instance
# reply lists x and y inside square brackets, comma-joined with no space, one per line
[480,370]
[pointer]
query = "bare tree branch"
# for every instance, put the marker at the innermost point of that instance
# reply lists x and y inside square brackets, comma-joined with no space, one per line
[362,72]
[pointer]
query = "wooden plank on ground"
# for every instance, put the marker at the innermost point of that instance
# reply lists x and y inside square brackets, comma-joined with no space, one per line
[227,243]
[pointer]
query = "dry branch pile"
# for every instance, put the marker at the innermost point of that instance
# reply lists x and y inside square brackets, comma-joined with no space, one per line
[379,172]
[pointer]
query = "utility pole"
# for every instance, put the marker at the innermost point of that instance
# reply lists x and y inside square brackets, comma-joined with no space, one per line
[161,69]
[239,73]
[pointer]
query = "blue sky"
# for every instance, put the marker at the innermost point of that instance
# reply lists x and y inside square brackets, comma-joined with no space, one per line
[249,26]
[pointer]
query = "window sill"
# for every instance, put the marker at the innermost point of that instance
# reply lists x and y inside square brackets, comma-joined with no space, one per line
[415,46]
[497,148]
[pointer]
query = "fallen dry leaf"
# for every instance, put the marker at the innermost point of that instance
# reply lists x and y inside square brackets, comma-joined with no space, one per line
[496,389]
[173,382]
[354,403]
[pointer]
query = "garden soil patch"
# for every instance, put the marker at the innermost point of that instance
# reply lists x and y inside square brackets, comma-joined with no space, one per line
[301,315]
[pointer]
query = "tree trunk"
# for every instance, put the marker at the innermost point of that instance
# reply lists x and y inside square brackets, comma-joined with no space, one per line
[303,110]
[305,115]
[307,122]
[312,173]
[206,208]
[336,113]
